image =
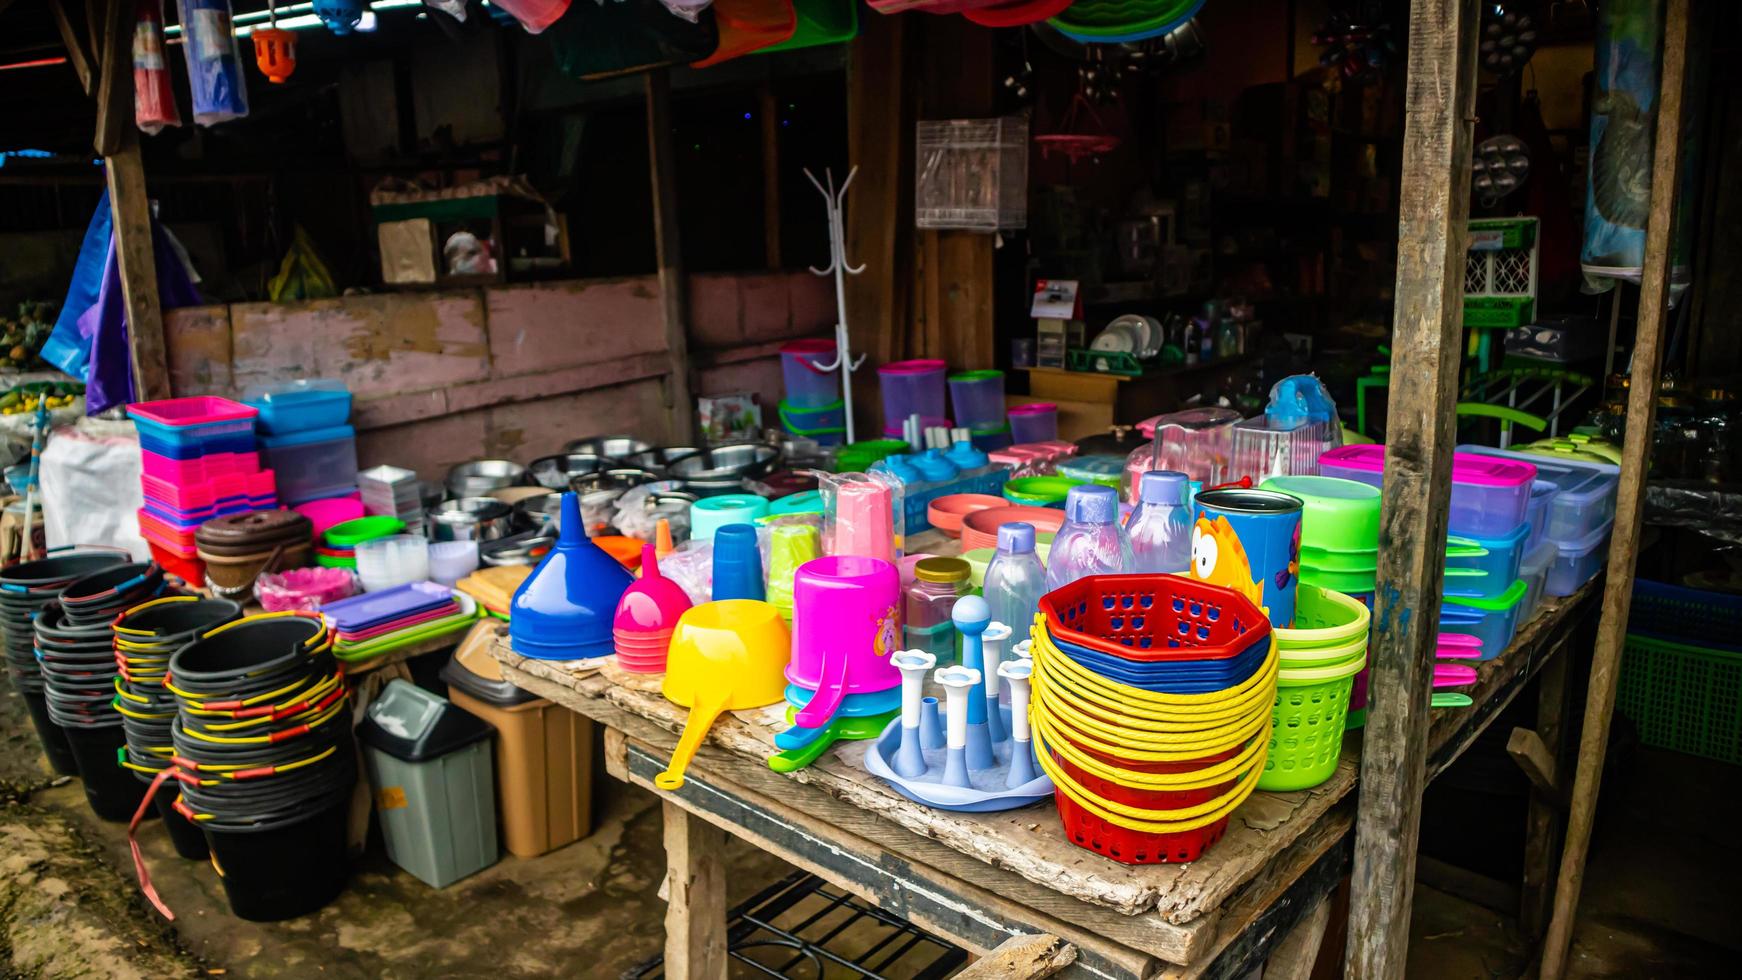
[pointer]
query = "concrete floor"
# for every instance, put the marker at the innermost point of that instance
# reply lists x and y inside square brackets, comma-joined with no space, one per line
[1661,896]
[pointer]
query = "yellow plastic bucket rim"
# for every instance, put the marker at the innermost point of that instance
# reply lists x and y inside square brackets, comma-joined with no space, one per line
[1042,642]
[1328,635]
[1116,717]
[1143,821]
[1054,669]
[1144,746]
[1209,775]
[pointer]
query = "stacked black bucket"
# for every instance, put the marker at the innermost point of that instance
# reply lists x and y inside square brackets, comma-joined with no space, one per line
[146,637]
[24,589]
[263,736]
[76,655]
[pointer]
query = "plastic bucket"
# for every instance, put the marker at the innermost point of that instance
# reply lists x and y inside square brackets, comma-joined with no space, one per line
[283,872]
[1089,830]
[52,736]
[112,791]
[808,386]
[911,388]
[189,840]
[1306,735]
[1037,422]
[977,399]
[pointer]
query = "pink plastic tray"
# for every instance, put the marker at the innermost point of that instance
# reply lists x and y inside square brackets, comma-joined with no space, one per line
[198,410]
[202,494]
[198,470]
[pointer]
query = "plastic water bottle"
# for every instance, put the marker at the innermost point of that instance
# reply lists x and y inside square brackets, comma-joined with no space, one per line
[1015,578]
[1091,542]
[1160,527]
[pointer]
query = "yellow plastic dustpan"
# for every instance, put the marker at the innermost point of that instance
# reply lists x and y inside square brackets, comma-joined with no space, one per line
[724,656]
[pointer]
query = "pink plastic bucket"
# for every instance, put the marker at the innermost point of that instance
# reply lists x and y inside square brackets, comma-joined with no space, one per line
[845,625]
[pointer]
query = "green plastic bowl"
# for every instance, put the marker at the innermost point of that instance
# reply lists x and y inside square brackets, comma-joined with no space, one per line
[1039,491]
[1348,583]
[349,534]
[1336,515]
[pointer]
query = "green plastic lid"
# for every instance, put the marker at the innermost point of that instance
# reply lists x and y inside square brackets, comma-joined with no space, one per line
[1031,489]
[982,374]
[1500,603]
[349,534]
[1336,515]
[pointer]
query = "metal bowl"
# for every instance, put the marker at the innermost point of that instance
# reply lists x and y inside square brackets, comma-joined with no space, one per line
[540,510]
[481,476]
[555,472]
[618,478]
[722,464]
[616,447]
[660,459]
[524,548]
[471,519]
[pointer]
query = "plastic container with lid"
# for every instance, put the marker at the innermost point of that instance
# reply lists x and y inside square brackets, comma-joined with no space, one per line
[430,765]
[1197,442]
[1585,491]
[313,464]
[544,752]
[926,606]
[299,405]
[1490,497]
[1337,516]
[808,385]
[1577,562]
[1542,493]
[1497,559]
[977,398]
[911,388]
[1492,620]
[1534,571]
[1034,422]
[1267,446]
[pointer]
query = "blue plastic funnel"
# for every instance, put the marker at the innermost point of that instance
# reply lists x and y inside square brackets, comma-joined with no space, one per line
[564,609]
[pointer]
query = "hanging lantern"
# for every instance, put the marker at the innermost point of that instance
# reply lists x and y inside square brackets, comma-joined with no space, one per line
[275,53]
[340,16]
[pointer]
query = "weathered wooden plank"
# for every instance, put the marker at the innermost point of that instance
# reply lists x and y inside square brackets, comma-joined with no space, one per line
[1022,958]
[1294,957]
[113,43]
[668,250]
[1528,749]
[1420,434]
[79,54]
[695,909]
[1543,820]
[1624,542]
[137,262]
[537,327]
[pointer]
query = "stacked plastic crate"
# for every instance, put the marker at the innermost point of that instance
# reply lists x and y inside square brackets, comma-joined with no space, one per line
[199,461]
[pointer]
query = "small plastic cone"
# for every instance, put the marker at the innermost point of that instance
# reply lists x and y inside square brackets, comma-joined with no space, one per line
[662,538]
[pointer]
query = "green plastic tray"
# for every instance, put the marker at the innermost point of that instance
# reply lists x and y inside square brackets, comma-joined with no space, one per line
[396,641]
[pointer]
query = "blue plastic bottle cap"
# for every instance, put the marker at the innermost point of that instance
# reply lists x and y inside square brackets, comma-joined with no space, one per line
[1162,487]
[1016,537]
[1091,503]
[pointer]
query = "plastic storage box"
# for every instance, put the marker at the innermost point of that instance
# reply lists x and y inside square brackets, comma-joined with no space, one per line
[808,386]
[1493,621]
[1490,497]
[429,764]
[1534,571]
[1034,422]
[1262,447]
[1198,442]
[544,753]
[1585,491]
[1498,563]
[1681,670]
[314,464]
[1577,562]
[977,399]
[1542,493]
[183,427]
[299,406]
[911,388]
[200,468]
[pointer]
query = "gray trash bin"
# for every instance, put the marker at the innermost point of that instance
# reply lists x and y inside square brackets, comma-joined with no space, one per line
[430,765]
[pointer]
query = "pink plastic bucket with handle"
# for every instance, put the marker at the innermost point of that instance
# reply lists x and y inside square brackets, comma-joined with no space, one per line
[845,626]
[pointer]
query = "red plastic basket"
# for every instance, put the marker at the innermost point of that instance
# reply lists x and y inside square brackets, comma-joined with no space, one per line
[1127,846]
[1154,618]
[190,570]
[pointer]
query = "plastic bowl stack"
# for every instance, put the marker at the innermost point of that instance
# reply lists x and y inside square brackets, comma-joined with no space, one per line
[24,589]
[76,650]
[146,637]
[1319,659]
[338,544]
[1339,531]
[398,559]
[1153,697]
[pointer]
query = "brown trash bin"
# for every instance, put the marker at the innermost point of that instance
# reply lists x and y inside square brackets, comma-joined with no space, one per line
[544,752]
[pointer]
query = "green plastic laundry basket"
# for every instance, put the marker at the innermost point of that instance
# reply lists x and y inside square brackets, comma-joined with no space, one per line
[1306,731]
[1683,697]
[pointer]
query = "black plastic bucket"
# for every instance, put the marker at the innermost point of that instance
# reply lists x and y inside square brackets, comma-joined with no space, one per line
[52,736]
[111,789]
[189,840]
[278,874]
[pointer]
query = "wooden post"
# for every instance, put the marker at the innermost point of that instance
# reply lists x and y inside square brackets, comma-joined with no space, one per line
[695,911]
[1426,342]
[668,248]
[1542,824]
[137,259]
[113,39]
[78,54]
[769,108]
[1629,502]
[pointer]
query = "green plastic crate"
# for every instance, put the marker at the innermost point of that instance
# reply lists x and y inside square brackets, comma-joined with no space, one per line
[1499,311]
[1683,697]
[1103,362]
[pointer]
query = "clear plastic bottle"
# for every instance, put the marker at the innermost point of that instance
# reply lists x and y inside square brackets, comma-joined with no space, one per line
[1160,526]
[1015,578]
[1090,542]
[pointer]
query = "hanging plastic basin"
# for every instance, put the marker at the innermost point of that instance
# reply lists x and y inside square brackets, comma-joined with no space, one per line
[1110,21]
[1307,726]
[820,22]
[808,385]
[1018,14]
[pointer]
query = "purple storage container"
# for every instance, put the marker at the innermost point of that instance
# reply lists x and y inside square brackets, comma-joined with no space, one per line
[1038,422]
[911,388]
[808,386]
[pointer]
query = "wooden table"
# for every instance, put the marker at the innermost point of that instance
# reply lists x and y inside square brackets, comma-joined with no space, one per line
[983,880]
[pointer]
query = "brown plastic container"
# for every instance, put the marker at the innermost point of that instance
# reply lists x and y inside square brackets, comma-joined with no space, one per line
[544,753]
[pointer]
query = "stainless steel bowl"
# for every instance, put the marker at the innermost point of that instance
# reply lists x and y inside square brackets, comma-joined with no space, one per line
[555,472]
[616,447]
[660,459]
[726,463]
[618,478]
[481,476]
[471,519]
[540,510]
[518,549]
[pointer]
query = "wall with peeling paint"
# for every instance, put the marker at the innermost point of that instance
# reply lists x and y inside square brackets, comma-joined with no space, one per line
[512,371]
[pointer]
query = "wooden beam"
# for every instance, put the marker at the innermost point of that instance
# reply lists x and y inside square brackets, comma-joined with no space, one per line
[115,76]
[1426,342]
[1533,756]
[879,218]
[78,51]
[668,248]
[695,911]
[1624,544]
[1029,957]
[1542,824]
[1294,957]
[770,112]
[137,259]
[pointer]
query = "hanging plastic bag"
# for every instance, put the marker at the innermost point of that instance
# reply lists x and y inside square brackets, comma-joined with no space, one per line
[302,274]
[690,10]
[153,96]
[214,61]
[534,15]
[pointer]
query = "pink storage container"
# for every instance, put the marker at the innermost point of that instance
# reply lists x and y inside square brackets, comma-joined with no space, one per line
[198,410]
[330,511]
[1490,496]
[197,470]
[200,495]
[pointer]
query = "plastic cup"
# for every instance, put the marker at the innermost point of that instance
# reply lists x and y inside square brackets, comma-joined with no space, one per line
[864,521]
[737,564]
[789,546]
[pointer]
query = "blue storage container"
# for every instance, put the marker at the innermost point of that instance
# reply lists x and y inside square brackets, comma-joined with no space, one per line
[1492,621]
[1584,500]
[1499,567]
[1578,561]
[300,406]
[194,442]
[314,464]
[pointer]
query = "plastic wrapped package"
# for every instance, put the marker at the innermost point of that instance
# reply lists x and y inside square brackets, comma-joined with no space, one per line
[691,566]
[863,515]
[153,97]
[304,589]
[214,61]
[90,486]
[536,15]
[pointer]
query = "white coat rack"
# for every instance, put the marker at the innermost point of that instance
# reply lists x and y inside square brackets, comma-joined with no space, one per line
[839,267]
